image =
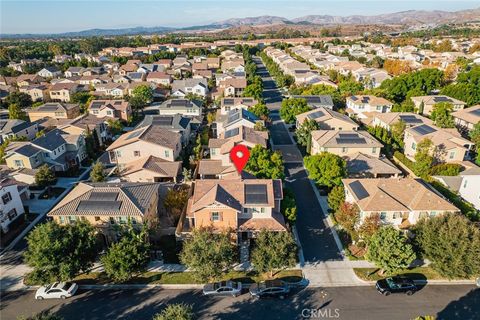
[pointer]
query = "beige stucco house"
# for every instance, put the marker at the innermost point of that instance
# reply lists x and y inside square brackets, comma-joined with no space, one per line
[344,143]
[424,104]
[54,110]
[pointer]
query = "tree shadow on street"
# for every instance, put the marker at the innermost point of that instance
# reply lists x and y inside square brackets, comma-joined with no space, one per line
[466,307]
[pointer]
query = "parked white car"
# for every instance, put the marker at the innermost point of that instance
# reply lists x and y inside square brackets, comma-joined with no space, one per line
[58,290]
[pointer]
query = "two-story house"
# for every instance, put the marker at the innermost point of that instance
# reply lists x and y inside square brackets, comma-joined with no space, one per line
[181,88]
[425,104]
[398,202]
[466,119]
[327,119]
[318,101]
[358,105]
[243,207]
[63,92]
[175,123]
[466,184]
[11,206]
[145,141]
[228,104]
[234,119]
[17,129]
[344,143]
[410,119]
[54,110]
[185,107]
[119,109]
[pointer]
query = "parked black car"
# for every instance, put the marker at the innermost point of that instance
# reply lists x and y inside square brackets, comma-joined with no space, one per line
[270,288]
[396,285]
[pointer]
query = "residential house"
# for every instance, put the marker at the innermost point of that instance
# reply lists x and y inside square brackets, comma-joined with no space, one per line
[17,129]
[160,78]
[175,123]
[54,110]
[110,89]
[38,92]
[327,119]
[84,124]
[24,80]
[398,202]
[448,144]
[234,119]
[49,72]
[151,169]
[118,109]
[386,120]
[185,107]
[232,87]
[74,72]
[358,105]
[146,141]
[424,104]
[180,88]
[107,205]
[62,92]
[465,184]
[228,104]
[56,148]
[11,206]
[244,207]
[362,165]
[344,143]
[466,119]
[318,101]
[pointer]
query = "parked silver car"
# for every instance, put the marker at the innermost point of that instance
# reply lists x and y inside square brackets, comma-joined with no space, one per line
[58,290]
[224,288]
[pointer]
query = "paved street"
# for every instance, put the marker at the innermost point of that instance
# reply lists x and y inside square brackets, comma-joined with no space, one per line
[316,238]
[448,302]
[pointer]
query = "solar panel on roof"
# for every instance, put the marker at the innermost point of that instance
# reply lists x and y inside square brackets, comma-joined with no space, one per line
[103,196]
[410,119]
[256,193]
[134,134]
[233,117]
[441,99]
[351,141]
[178,103]
[228,101]
[315,115]
[348,135]
[97,104]
[424,129]
[358,190]
[475,112]
[231,133]
[87,205]
[162,121]
[49,108]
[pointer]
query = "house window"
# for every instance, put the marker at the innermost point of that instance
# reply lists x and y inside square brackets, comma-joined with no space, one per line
[414,146]
[344,149]
[245,210]
[6,198]
[215,216]
[262,210]
[122,220]
[18,163]
[432,214]
[383,215]
[136,153]
[167,153]
[374,149]
[97,218]
[452,154]
[112,220]
[213,151]
[397,215]
[465,183]
[95,111]
[71,219]
[119,154]
[12,214]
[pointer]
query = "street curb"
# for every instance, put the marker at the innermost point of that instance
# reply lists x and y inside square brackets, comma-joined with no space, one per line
[432,282]
[141,286]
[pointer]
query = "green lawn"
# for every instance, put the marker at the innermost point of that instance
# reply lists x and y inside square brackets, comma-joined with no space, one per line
[183,277]
[419,273]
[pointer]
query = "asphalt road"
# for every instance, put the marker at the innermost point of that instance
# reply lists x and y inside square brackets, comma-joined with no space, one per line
[317,241]
[446,302]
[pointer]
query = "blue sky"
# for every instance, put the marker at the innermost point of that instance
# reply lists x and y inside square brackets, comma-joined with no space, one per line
[18,16]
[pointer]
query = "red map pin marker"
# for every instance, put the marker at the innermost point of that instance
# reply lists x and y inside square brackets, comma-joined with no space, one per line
[239,156]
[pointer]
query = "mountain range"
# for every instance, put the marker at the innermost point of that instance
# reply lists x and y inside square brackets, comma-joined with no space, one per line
[410,18]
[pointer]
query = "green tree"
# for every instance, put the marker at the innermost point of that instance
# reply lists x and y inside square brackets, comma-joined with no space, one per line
[273,251]
[397,130]
[175,200]
[45,176]
[177,311]
[336,197]
[442,115]
[304,131]
[423,158]
[388,249]
[15,112]
[97,174]
[254,90]
[265,164]
[475,136]
[115,126]
[326,169]
[141,96]
[347,216]
[288,207]
[260,110]
[60,252]
[129,256]
[21,99]
[208,253]
[291,108]
[452,243]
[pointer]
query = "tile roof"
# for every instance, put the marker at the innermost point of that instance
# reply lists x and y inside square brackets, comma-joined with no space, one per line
[470,115]
[125,199]
[50,141]
[370,100]
[391,194]
[153,134]
[157,165]
[322,114]
[437,99]
[362,164]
